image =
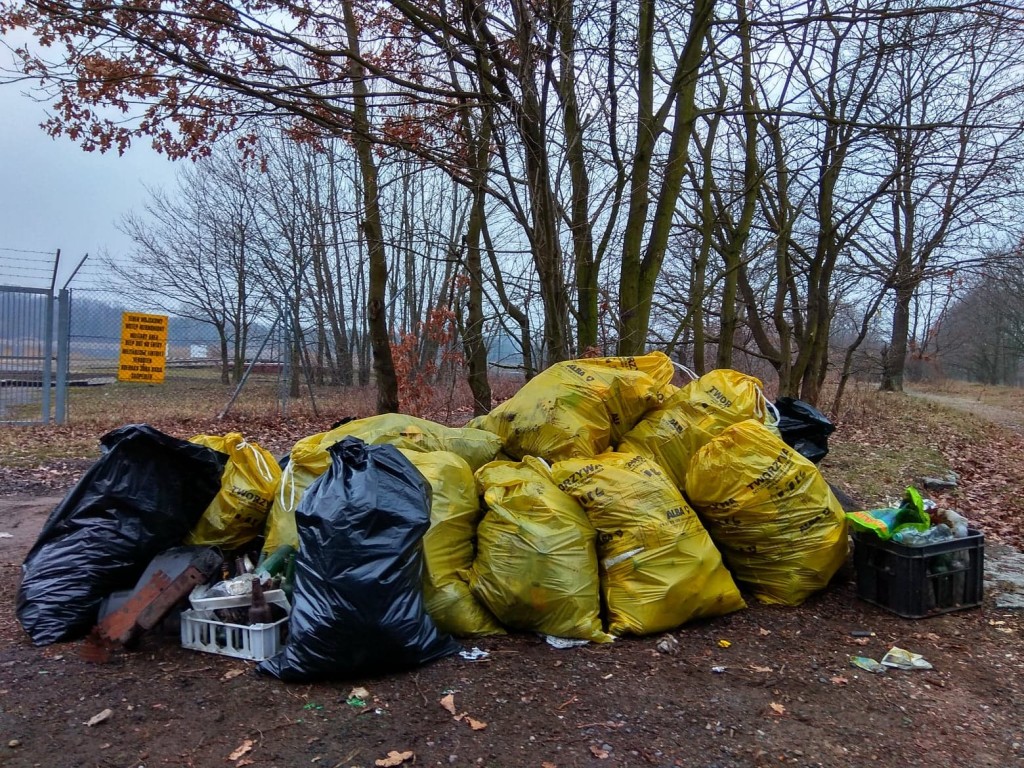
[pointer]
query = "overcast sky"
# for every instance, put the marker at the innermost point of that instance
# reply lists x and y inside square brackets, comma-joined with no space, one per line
[54,195]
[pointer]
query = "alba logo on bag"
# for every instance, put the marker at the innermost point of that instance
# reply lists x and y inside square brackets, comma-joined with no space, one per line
[580,372]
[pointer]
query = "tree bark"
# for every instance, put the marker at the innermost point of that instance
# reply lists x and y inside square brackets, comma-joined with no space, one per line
[373,231]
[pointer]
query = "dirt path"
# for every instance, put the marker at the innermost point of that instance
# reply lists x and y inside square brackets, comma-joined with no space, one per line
[996,414]
[782,693]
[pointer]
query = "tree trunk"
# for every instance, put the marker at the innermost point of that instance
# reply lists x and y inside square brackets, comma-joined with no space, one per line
[380,336]
[896,355]
[473,333]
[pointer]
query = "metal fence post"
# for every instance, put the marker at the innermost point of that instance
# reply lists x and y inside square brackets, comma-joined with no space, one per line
[63,356]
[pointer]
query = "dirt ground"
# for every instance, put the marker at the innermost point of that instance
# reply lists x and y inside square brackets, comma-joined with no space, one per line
[784,694]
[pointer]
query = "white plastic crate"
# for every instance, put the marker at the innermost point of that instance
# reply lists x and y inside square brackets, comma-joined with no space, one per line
[272,596]
[255,642]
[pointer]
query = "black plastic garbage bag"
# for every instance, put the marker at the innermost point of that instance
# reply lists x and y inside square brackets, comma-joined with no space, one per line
[358,602]
[142,496]
[804,428]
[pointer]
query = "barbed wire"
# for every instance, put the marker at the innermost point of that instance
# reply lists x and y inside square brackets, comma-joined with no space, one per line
[23,250]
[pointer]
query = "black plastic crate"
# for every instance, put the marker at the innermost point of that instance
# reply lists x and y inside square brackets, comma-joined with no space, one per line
[915,582]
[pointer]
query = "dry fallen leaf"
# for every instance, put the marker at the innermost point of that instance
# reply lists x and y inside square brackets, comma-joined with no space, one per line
[245,746]
[763,632]
[724,643]
[756,668]
[778,709]
[476,725]
[247,761]
[839,680]
[546,764]
[99,717]
[598,753]
[359,693]
[448,702]
[393,758]
[231,674]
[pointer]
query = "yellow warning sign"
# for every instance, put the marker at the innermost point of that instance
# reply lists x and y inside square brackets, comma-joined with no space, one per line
[143,348]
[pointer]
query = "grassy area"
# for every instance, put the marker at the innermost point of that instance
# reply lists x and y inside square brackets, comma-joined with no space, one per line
[885,441]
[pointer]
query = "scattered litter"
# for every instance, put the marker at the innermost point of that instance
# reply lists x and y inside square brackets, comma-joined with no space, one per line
[718,670]
[868,665]
[359,693]
[394,758]
[243,748]
[99,717]
[862,633]
[355,701]
[474,654]
[6,535]
[562,643]
[903,659]
[14,743]
[724,643]
[668,644]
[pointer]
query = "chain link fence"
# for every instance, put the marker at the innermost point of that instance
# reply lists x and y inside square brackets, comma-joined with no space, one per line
[204,373]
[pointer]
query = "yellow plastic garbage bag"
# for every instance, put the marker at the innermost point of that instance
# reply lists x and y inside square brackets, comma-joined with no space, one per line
[476,446]
[579,407]
[238,513]
[670,435]
[728,397]
[309,459]
[536,562]
[770,512]
[659,567]
[448,545]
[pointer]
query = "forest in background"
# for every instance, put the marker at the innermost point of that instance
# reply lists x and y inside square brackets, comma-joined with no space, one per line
[797,189]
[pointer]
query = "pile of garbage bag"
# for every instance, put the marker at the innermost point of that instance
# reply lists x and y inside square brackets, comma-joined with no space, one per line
[600,500]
